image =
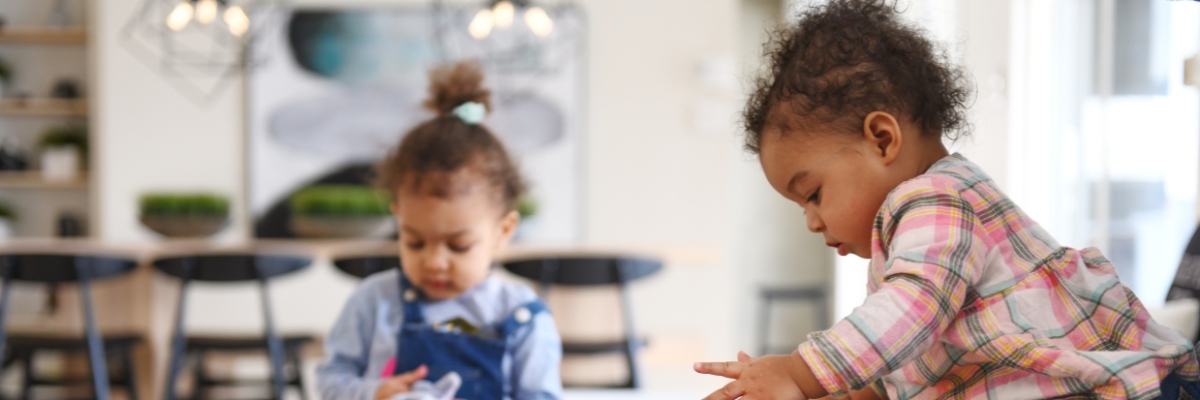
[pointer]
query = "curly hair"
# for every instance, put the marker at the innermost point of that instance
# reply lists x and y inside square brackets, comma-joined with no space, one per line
[431,153]
[847,58]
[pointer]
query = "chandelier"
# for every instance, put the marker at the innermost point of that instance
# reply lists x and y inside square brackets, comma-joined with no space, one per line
[510,36]
[198,45]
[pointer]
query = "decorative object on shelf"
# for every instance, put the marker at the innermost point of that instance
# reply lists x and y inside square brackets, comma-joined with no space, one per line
[12,156]
[65,88]
[185,215]
[70,225]
[5,76]
[58,17]
[63,151]
[199,45]
[511,35]
[7,218]
[341,211]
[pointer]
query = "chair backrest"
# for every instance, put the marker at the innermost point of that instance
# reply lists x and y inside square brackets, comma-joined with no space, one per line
[232,267]
[583,270]
[364,266]
[62,267]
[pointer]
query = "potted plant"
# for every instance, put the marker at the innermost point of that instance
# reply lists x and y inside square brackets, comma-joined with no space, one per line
[340,211]
[527,208]
[63,151]
[185,215]
[7,218]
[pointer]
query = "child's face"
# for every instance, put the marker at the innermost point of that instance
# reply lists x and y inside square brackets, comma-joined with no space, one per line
[447,244]
[840,180]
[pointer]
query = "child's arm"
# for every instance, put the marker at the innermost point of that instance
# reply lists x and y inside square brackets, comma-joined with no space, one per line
[348,351]
[536,357]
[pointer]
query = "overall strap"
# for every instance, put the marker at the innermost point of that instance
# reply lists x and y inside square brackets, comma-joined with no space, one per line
[410,300]
[521,316]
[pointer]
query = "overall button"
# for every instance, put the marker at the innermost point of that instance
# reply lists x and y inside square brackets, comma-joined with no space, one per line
[523,315]
[410,295]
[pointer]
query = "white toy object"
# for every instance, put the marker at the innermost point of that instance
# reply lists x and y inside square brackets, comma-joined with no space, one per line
[444,389]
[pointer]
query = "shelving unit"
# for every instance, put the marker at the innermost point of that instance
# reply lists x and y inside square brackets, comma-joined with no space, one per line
[43,108]
[64,36]
[35,180]
[40,56]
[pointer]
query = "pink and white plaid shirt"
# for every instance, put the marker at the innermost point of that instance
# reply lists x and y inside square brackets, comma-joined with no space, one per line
[971,299]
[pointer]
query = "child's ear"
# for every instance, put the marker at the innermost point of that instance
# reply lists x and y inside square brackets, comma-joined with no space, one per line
[883,132]
[508,228]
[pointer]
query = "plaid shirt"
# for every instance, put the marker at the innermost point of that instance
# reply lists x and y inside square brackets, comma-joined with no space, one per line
[971,299]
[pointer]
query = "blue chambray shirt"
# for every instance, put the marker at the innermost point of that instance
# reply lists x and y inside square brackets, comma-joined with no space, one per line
[364,338]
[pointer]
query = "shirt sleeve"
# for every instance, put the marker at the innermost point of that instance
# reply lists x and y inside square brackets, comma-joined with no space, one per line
[536,356]
[931,243]
[348,351]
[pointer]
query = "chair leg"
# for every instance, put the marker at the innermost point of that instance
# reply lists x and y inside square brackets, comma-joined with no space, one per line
[631,341]
[298,369]
[200,387]
[95,344]
[131,386]
[178,341]
[27,380]
[274,344]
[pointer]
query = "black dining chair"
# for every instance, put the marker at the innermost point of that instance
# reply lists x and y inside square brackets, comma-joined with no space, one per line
[593,270]
[817,296]
[59,269]
[364,266]
[234,267]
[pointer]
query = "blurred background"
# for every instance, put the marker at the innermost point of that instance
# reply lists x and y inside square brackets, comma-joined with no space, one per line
[165,134]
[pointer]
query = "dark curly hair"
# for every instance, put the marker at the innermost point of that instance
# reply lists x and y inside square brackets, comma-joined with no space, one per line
[847,58]
[430,154]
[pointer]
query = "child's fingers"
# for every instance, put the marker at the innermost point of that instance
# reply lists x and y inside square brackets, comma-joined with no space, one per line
[743,357]
[728,369]
[730,392]
[410,377]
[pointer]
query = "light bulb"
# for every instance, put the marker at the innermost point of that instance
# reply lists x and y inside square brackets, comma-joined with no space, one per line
[179,17]
[503,13]
[206,11]
[237,20]
[538,21]
[481,25]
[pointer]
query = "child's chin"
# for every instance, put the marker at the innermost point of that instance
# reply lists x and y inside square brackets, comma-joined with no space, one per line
[440,293]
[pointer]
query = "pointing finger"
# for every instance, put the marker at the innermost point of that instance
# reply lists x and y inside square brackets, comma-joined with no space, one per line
[728,369]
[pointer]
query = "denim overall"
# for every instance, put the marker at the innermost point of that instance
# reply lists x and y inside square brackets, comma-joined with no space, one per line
[476,358]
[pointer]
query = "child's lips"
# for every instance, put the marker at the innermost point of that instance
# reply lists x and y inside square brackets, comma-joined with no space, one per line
[436,284]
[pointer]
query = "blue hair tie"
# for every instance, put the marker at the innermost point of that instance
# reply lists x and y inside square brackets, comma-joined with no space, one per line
[470,112]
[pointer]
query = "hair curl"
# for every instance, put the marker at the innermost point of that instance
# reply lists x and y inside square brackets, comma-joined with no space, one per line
[847,58]
[431,154]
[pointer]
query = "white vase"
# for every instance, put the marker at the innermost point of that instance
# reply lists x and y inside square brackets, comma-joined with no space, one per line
[6,228]
[60,162]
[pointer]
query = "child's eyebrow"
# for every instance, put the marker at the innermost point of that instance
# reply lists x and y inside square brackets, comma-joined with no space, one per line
[791,186]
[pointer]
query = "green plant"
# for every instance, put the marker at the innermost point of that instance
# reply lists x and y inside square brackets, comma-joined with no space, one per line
[6,211]
[63,136]
[340,201]
[527,206]
[184,205]
[5,71]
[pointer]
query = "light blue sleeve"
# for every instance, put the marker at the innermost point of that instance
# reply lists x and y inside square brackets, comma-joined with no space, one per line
[536,357]
[348,352]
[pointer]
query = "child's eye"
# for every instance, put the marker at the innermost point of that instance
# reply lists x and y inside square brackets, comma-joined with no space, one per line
[815,197]
[460,249]
[415,245]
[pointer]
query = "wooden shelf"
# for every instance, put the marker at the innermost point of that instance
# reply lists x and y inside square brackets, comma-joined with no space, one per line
[74,36]
[35,180]
[43,108]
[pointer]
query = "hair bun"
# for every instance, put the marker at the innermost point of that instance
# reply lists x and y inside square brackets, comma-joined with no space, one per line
[452,85]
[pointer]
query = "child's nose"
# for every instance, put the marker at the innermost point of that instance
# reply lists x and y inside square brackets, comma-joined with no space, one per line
[815,224]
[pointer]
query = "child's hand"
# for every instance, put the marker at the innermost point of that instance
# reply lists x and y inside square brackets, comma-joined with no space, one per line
[763,378]
[400,383]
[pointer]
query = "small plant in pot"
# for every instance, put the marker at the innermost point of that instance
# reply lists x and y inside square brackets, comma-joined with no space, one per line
[340,211]
[63,151]
[7,218]
[185,215]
